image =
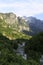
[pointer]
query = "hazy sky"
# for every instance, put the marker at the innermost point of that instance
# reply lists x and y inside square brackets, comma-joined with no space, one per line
[22,7]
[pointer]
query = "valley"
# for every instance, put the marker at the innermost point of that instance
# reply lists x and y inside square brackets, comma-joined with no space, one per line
[21,40]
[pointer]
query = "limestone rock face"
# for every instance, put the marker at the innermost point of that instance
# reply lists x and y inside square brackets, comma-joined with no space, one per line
[13,21]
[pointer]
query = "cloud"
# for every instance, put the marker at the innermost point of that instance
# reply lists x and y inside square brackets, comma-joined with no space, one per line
[21,8]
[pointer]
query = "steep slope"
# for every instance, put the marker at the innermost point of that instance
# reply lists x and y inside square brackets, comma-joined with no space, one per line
[34,48]
[35,25]
[8,55]
[14,22]
[12,26]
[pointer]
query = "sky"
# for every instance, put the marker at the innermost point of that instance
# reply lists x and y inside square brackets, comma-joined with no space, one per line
[22,7]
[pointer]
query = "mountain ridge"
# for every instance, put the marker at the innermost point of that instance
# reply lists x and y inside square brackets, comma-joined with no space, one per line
[24,24]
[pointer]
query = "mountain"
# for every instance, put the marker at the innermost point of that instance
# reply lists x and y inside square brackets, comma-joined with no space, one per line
[35,25]
[13,37]
[12,26]
[13,21]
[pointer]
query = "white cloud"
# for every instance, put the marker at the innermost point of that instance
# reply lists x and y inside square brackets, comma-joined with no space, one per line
[24,8]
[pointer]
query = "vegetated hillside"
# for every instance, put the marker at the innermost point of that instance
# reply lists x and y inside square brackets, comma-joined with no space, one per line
[12,26]
[34,47]
[35,25]
[8,55]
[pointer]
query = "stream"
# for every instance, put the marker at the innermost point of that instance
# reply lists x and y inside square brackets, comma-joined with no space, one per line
[41,60]
[20,50]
